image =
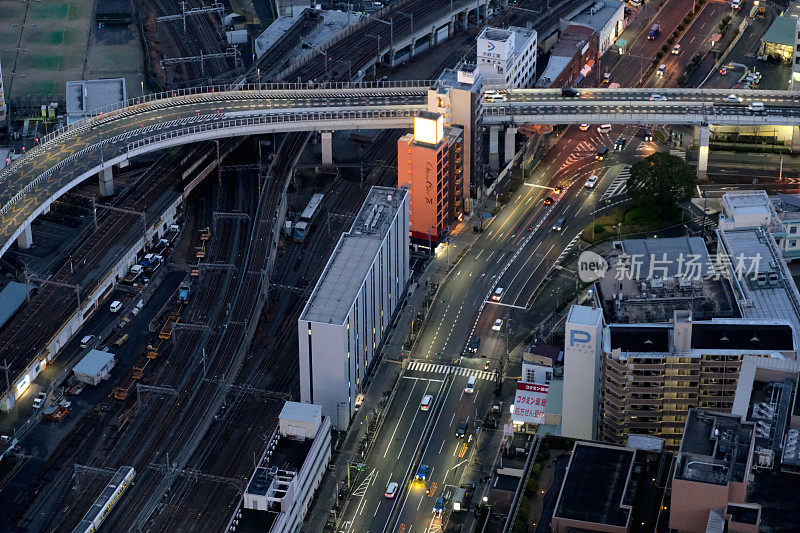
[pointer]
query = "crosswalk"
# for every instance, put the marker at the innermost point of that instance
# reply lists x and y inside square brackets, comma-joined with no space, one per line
[679,153]
[448,369]
[567,249]
[619,185]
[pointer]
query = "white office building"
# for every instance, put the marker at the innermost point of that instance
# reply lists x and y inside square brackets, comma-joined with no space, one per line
[607,18]
[507,57]
[282,486]
[582,362]
[353,303]
[3,105]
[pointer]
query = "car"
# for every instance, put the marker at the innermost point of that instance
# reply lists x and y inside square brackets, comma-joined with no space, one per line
[583,127]
[559,224]
[38,402]
[474,344]
[498,294]
[591,182]
[756,106]
[461,430]
[498,325]
[557,190]
[391,490]
[422,472]
[115,306]
[655,97]
[661,68]
[733,98]
[604,128]
[601,153]
[676,49]
[648,135]
[619,145]
[438,507]
[87,340]
[548,201]
[570,93]
[723,71]
[470,388]
[426,402]
[487,365]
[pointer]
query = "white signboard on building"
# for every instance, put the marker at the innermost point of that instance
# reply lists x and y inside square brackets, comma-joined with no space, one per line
[529,402]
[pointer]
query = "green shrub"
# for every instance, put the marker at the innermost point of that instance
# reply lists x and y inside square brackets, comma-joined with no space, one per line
[681,26]
[664,49]
[599,228]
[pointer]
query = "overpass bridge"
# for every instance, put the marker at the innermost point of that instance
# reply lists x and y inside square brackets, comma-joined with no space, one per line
[93,146]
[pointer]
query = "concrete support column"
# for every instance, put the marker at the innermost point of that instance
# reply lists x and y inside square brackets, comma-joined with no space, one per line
[451,27]
[327,147]
[465,23]
[106,180]
[411,48]
[432,37]
[511,143]
[494,148]
[702,158]
[25,239]
[795,139]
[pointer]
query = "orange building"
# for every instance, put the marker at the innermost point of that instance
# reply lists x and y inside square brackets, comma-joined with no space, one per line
[429,164]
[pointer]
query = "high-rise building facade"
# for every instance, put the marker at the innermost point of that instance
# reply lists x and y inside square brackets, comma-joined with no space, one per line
[349,311]
[507,57]
[429,164]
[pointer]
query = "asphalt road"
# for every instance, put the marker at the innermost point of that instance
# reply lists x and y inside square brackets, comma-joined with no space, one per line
[507,255]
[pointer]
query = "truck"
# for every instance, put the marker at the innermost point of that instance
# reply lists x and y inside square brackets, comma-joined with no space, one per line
[460,501]
[655,31]
[56,412]
[154,264]
[133,276]
[184,291]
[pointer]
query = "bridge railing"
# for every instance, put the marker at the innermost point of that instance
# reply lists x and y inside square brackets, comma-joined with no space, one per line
[257,120]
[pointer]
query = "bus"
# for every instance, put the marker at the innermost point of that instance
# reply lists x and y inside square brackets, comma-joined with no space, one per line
[303,226]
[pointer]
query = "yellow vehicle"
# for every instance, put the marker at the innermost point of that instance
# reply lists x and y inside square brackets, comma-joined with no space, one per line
[121,340]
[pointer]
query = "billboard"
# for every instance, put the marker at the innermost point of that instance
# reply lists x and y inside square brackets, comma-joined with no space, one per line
[529,402]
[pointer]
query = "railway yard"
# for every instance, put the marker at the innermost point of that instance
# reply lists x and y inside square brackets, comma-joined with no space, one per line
[192,407]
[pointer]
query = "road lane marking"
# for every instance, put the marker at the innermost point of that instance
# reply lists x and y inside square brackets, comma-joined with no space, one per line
[391,439]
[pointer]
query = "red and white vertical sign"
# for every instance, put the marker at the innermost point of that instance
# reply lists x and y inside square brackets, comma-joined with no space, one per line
[529,402]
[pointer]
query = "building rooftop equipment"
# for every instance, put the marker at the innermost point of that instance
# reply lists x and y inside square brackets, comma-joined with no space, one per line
[715,448]
[348,266]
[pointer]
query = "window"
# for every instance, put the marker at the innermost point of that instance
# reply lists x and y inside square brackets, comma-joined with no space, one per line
[792,243]
[792,230]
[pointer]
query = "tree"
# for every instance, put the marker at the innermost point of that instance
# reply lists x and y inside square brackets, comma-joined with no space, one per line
[660,181]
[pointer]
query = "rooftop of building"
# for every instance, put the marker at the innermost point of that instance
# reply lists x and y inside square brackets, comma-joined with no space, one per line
[542,349]
[787,206]
[466,78]
[86,97]
[353,256]
[584,315]
[12,297]
[572,39]
[715,448]
[595,484]
[598,15]
[321,26]
[643,338]
[303,412]
[781,31]
[555,66]
[649,279]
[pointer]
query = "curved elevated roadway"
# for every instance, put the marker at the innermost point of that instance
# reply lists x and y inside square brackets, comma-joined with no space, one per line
[69,156]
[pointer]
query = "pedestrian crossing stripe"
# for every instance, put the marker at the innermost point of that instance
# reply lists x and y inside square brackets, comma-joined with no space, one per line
[448,369]
[620,183]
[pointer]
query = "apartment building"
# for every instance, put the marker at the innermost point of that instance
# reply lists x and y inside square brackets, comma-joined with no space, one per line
[507,57]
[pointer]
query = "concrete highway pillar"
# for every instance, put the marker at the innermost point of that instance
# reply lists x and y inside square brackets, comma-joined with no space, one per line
[702,158]
[432,37]
[25,239]
[795,139]
[494,148]
[511,143]
[411,48]
[465,20]
[106,182]
[451,27]
[327,148]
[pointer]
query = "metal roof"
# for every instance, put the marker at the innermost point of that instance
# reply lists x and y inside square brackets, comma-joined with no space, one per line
[11,298]
[353,257]
[93,362]
[781,31]
[303,412]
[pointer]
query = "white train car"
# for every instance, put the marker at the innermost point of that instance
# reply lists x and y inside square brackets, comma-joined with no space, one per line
[106,501]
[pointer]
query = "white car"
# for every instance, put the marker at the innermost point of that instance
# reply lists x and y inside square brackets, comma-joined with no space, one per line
[115,306]
[86,341]
[591,182]
[38,402]
[391,490]
[498,324]
[583,127]
[733,98]
[655,97]
[676,49]
[661,68]
[756,106]
[426,402]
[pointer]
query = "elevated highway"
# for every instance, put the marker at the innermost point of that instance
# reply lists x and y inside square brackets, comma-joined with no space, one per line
[91,147]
